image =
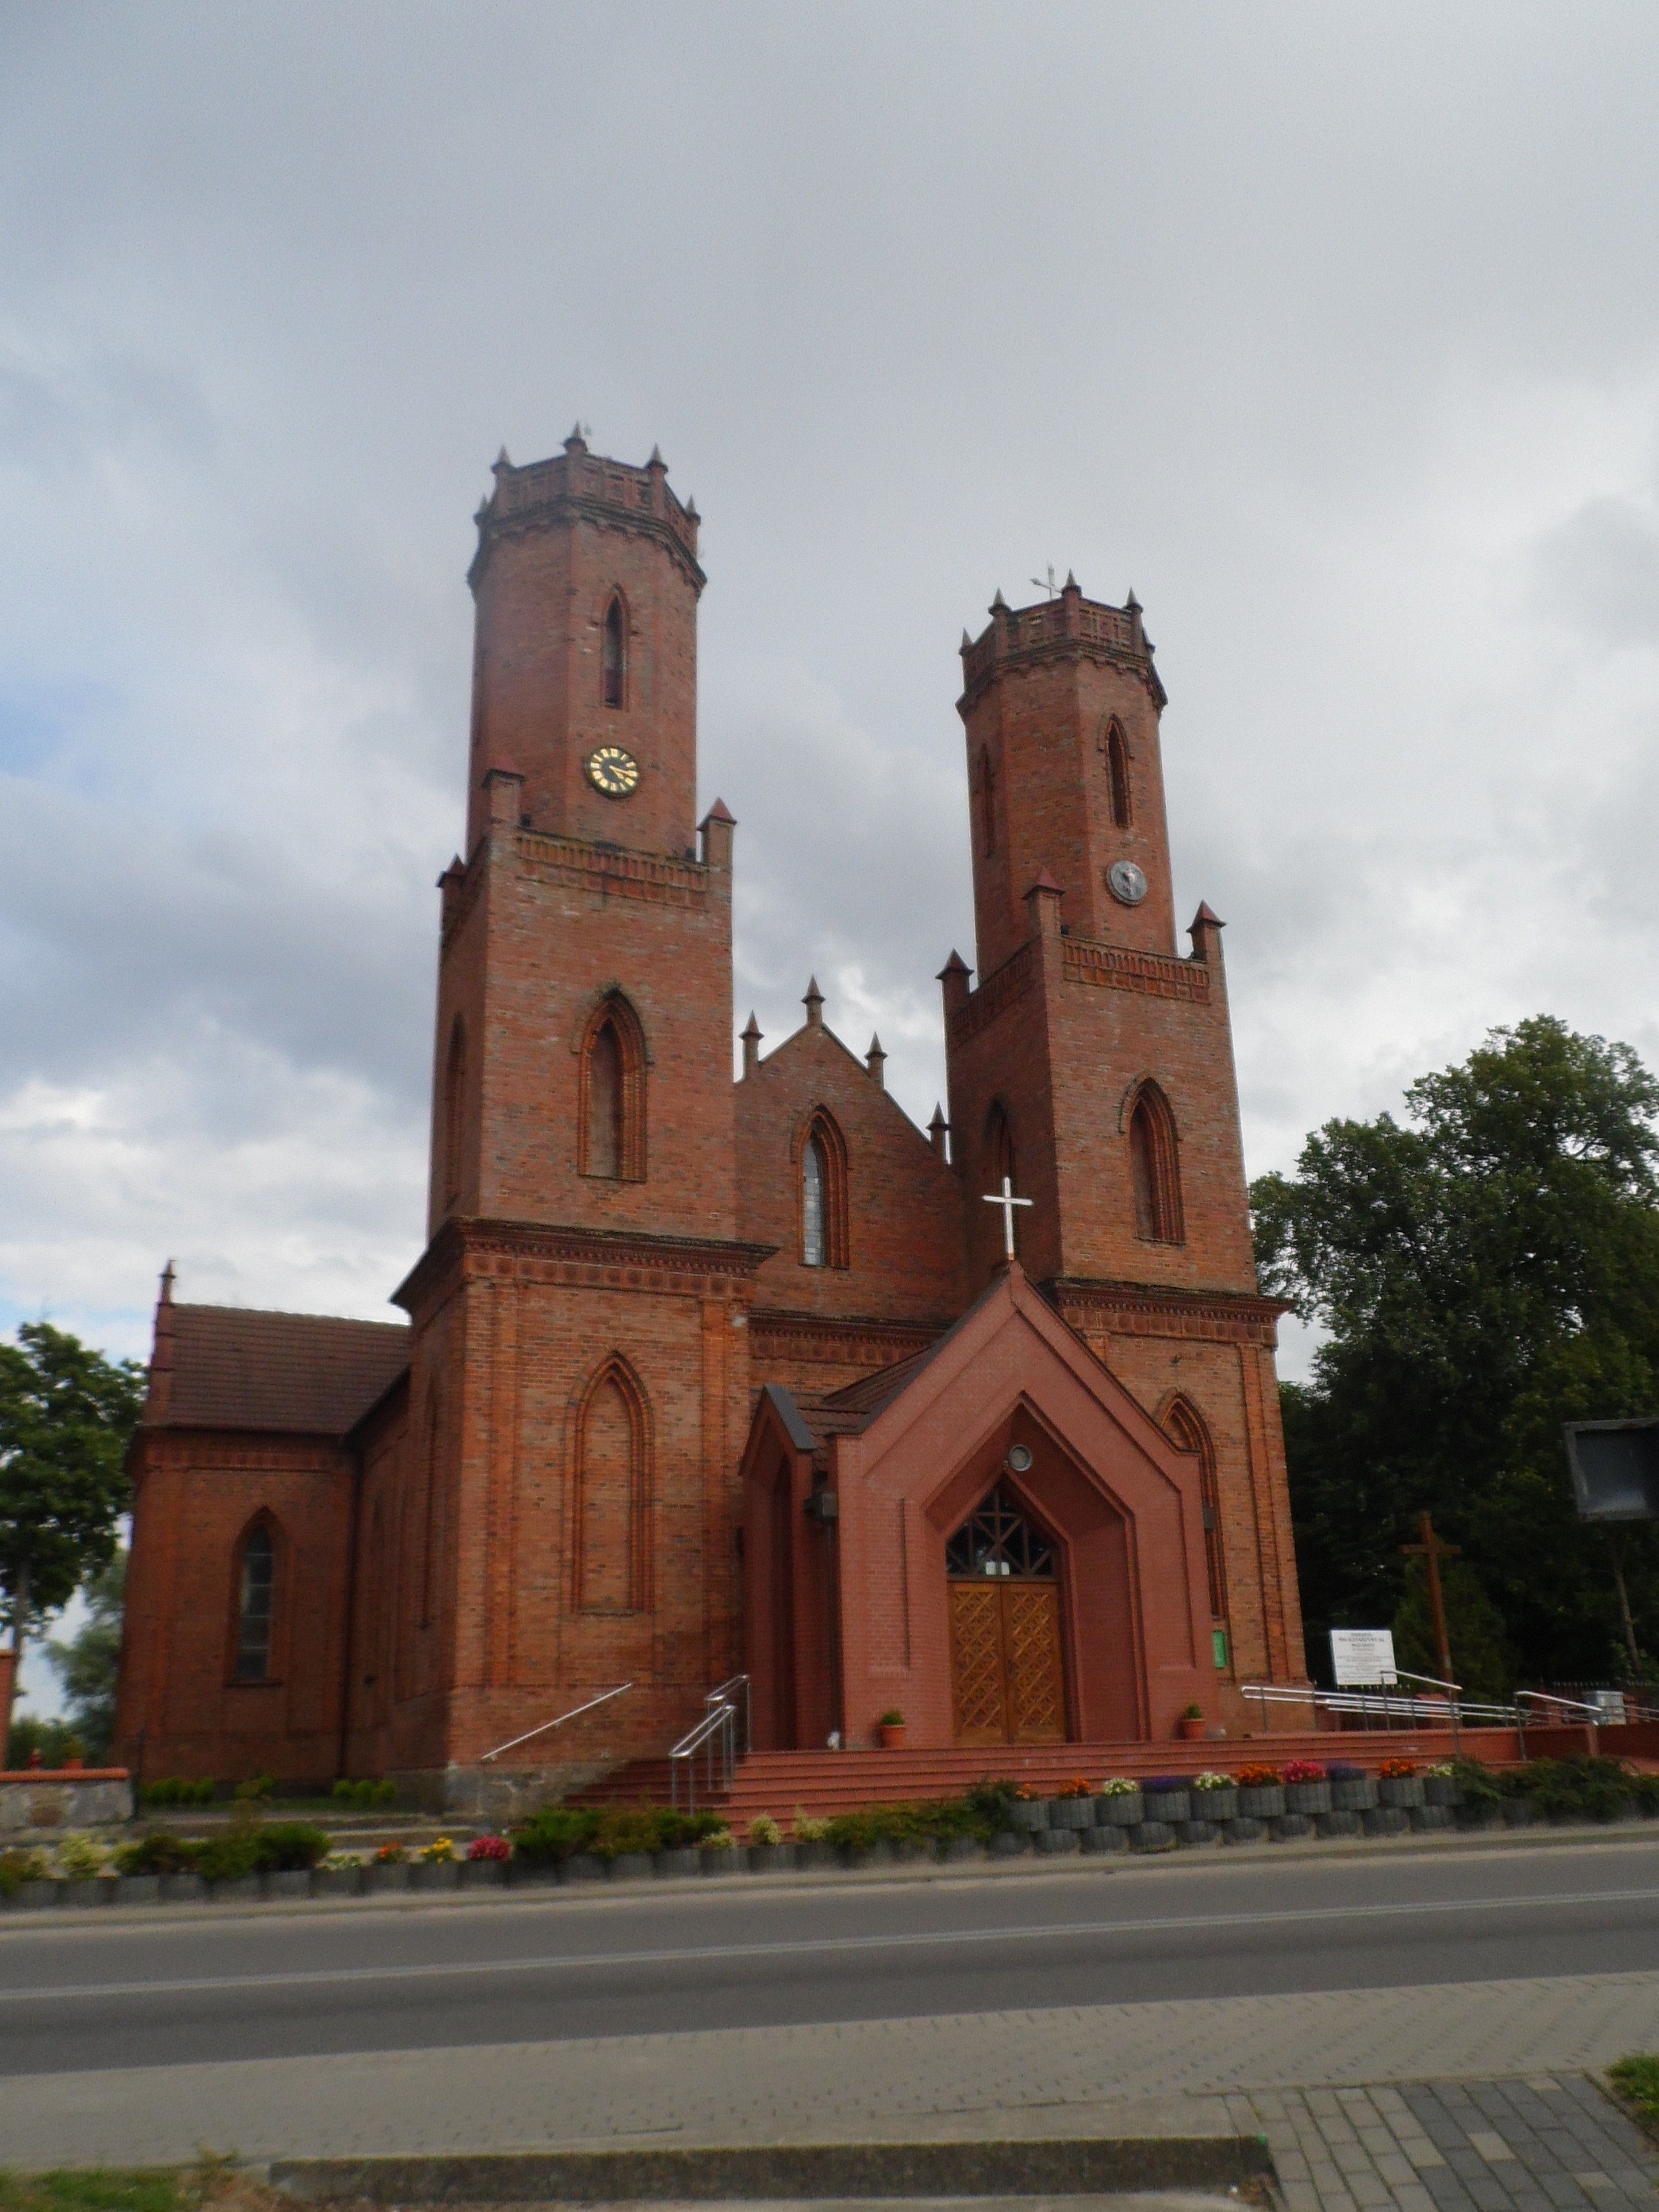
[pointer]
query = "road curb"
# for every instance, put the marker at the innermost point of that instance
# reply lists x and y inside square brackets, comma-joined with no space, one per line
[1104,2166]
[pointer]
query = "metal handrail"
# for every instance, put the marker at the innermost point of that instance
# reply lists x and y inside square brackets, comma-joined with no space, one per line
[1574,1704]
[714,1735]
[603,1697]
[724,1694]
[1412,1710]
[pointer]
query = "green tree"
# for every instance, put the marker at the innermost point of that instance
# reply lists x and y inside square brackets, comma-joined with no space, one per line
[1485,1269]
[66,1414]
[89,1662]
[1481,1657]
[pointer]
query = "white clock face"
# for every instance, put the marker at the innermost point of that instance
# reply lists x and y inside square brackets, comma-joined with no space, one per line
[1125,882]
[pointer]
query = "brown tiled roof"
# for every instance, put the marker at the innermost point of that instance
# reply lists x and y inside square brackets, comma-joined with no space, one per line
[297,1374]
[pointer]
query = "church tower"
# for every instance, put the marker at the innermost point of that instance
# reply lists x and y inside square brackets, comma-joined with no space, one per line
[1092,1064]
[579,1384]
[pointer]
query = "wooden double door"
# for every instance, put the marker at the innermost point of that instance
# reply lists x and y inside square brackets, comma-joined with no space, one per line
[1008,1678]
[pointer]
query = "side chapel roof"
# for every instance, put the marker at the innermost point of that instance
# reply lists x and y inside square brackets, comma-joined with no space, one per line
[293,1374]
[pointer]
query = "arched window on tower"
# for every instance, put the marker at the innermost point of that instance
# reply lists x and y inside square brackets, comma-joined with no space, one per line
[1117,750]
[1155,1169]
[612,1524]
[1186,1431]
[988,802]
[255,1596]
[614,653]
[454,1112]
[824,1238]
[611,1116]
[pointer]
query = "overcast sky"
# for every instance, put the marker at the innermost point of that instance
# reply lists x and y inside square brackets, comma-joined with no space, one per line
[1333,331]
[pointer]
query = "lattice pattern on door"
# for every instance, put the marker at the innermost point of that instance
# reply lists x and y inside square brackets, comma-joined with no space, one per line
[1008,1684]
[977,1671]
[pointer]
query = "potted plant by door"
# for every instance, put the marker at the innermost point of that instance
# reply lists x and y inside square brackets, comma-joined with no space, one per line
[1190,1726]
[890,1729]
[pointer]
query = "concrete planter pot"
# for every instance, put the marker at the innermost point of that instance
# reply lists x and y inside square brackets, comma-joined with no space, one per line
[1101,1841]
[1152,1836]
[1290,1828]
[1071,1813]
[338,1881]
[582,1866]
[771,1858]
[1055,1842]
[240,1889]
[483,1873]
[732,1860]
[687,1859]
[1440,1789]
[1401,1791]
[139,1889]
[1265,1802]
[36,1896]
[387,1874]
[1030,1814]
[911,1851]
[1431,1816]
[1387,1820]
[287,1881]
[1009,1843]
[956,1849]
[1342,1823]
[1126,1810]
[1519,1812]
[1308,1798]
[1168,1807]
[1216,1805]
[99,1890]
[632,1865]
[1191,1833]
[531,1874]
[1245,1830]
[1356,1795]
[814,1854]
[184,1889]
[435,1874]
[1486,1813]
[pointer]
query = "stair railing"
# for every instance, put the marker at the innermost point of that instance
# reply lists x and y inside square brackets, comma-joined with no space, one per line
[720,1739]
[603,1697]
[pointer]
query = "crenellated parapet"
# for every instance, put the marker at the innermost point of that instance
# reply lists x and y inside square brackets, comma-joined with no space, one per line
[1065,628]
[578,485]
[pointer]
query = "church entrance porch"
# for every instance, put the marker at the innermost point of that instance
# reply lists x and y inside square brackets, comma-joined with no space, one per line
[1008,1673]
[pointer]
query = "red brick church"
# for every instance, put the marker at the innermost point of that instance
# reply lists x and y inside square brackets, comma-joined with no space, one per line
[703,1377]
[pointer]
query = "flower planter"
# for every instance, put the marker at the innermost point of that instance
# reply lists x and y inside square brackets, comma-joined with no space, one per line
[286,1881]
[1071,1813]
[632,1865]
[182,1889]
[1216,1805]
[1440,1789]
[1519,1812]
[1402,1792]
[771,1858]
[1102,1840]
[98,1889]
[1053,1841]
[1355,1796]
[1126,1810]
[1191,1731]
[336,1881]
[1342,1823]
[730,1860]
[955,1849]
[240,1889]
[1290,1828]
[1480,1812]
[1245,1830]
[1387,1820]
[892,1735]
[483,1873]
[583,1866]
[1152,1836]
[139,1889]
[1168,1807]
[1189,1834]
[814,1854]
[687,1859]
[1009,1843]
[36,1896]
[1308,1798]
[1029,1814]
[1265,1802]
[387,1874]
[908,1850]
[435,1874]
[1431,1816]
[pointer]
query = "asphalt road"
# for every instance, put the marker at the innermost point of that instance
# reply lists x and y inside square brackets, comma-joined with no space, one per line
[635,1961]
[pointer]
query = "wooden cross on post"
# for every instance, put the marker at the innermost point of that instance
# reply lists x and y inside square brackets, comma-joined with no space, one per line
[1432,1549]
[1004,1198]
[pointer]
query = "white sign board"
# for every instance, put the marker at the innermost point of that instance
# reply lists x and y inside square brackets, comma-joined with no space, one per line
[1362,1655]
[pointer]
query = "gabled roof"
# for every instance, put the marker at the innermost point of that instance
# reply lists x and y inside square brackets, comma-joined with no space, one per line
[228,1367]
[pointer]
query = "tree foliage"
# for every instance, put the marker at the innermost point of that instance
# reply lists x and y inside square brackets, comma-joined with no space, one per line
[1485,1269]
[89,1664]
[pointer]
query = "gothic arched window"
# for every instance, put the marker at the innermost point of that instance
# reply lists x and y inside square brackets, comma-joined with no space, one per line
[612,1494]
[1155,1169]
[1117,774]
[256,1603]
[1187,1432]
[611,1130]
[454,1112]
[823,1193]
[614,653]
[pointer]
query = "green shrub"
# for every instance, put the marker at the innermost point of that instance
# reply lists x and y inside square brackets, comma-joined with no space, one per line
[176,1792]
[366,1793]
[230,1856]
[809,1827]
[622,1830]
[679,1831]
[159,1852]
[1578,1788]
[989,1801]
[549,1838]
[18,1867]
[80,1855]
[256,1790]
[1636,2083]
[290,1847]
[764,1830]
[1477,1785]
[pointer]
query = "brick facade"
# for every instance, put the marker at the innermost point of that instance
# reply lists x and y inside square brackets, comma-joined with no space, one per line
[661,1313]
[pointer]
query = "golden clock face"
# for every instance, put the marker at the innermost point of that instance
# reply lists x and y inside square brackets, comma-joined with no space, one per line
[612,771]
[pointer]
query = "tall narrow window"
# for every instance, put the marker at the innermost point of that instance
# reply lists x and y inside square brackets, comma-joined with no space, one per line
[611,1455]
[1154,1169]
[988,802]
[615,654]
[611,1128]
[1186,1431]
[1117,774]
[255,1602]
[454,1111]
[822,1163]
[429,1515]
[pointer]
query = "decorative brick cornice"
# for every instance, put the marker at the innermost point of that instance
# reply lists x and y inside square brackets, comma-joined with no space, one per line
[599,1259]
[859,1340]
[577,486]
[995,994]
[1154,974]
[1149,1309]
[229,1451]
[612,870]
[1069,628]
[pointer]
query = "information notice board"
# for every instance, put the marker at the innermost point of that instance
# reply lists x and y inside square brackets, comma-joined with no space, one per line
[1362,1657]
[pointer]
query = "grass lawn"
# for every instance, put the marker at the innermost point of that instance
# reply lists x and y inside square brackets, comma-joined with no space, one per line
[213,2184]
[1636,2082]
